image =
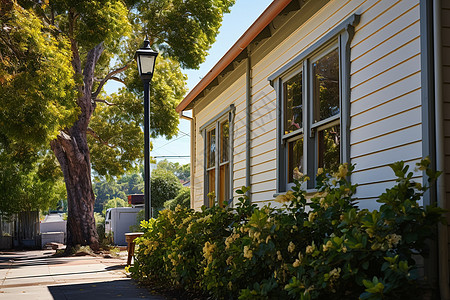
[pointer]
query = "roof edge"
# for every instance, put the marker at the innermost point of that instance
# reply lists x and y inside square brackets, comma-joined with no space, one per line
[275,8]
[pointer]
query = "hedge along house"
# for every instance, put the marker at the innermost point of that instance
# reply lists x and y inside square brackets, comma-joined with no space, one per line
[321,82]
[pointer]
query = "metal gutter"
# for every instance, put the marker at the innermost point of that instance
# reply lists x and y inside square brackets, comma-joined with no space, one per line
[192,135]
[248,104]
[275,8]
[440,151]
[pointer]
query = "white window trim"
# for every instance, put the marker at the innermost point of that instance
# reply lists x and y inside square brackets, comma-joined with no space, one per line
[339,37]
[214,123]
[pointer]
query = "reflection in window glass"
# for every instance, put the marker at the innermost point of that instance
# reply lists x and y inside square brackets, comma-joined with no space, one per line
[211,149]
[211,185]
[295,157]
[293,104]
[224,141]
[326,86]
[224,185]
[329,150]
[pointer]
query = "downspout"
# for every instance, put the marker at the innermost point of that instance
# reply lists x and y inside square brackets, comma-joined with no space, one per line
[440,155]
[192,154]
[248,123]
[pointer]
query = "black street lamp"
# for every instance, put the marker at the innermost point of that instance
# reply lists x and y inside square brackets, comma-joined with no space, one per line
[145,58]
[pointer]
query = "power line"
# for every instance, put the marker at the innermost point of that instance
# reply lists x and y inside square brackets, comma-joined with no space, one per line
[171,156]
[171,141]
[187,134]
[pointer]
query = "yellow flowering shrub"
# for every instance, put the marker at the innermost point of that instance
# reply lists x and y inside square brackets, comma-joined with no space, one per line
[323,247]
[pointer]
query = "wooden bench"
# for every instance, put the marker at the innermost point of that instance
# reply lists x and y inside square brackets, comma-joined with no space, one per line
[130,237]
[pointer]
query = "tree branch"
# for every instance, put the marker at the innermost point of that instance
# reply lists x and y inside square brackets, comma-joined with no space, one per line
[108,77]
[104,101]
[92,133]
[117,79]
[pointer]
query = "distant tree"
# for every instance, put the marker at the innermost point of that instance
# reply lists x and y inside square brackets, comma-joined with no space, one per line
[115,202]
[164,186]
[131,183]
[183,172]
[183,198]
[105,190]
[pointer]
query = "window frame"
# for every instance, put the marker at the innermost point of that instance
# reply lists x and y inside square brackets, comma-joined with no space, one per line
[294,135]
[340,37]
[215,124]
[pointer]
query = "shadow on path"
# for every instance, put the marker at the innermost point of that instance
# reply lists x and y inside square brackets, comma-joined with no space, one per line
[116,289]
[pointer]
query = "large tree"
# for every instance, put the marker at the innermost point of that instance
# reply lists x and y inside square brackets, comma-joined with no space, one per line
[97,39]
[36,100]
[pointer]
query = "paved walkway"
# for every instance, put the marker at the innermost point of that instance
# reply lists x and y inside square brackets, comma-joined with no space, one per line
[36,275]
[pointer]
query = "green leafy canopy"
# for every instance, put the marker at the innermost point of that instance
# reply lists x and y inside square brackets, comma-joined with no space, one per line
[57,55]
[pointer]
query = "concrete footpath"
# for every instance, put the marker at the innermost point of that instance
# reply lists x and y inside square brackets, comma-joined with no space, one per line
[37,275]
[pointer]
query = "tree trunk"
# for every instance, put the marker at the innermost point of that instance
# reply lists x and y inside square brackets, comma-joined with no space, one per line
[72,151]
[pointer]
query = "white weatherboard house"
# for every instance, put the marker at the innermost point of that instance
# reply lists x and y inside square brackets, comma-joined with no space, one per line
[316,83]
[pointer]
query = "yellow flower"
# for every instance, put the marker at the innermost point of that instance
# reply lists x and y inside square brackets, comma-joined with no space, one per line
[229,260]
[247,252]
[327,246]
[281,199]
[342,172]
[187,220]
[208,250]
[335,273]
[279,257]
[296,263]
[311,216]
[291,247]
[323,203]
[228,241]
[393,239]
[230,285]
[290,195]
[257,235]
[297,174]
[319,171]
[268,238]
[310,249]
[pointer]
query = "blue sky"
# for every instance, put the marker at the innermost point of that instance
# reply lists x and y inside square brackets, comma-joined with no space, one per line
[234,24]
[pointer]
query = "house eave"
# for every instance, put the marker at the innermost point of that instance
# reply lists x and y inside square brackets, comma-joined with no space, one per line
[272,11]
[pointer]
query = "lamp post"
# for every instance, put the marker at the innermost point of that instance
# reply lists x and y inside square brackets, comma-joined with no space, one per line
[145,58]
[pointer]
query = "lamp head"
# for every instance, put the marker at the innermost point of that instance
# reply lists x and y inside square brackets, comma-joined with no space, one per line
[145,58]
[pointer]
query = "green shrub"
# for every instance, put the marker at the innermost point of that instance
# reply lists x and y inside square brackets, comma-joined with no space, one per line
[319,247]
[183,198]
[164,186]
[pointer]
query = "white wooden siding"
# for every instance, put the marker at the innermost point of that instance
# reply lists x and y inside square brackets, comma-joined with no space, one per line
[385,98]
[445,36]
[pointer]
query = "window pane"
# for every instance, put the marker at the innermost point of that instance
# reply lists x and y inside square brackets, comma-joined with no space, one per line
[211,185]
[224,184]
[211,149]
[326,86]
[293,104]
[295,157]
[224,141]
[329,150]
